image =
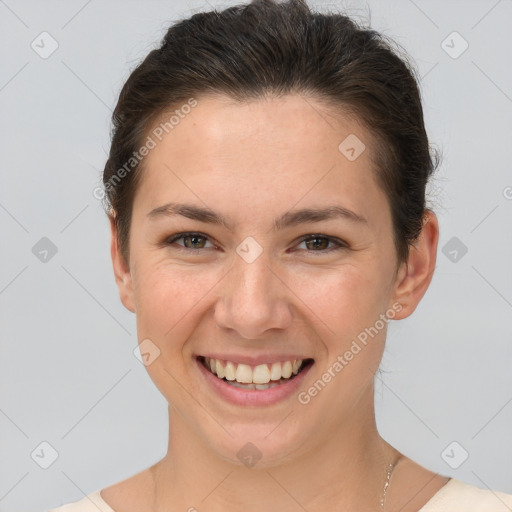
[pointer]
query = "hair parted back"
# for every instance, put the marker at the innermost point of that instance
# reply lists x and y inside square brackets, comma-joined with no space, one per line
[269,49]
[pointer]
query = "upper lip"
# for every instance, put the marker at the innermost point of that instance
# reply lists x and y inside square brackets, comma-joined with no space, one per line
[255,360]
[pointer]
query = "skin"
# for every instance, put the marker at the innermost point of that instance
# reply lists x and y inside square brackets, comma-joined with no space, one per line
[252,162]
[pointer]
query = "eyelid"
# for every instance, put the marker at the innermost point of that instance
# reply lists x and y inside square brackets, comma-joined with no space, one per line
[338,243]
[171,239]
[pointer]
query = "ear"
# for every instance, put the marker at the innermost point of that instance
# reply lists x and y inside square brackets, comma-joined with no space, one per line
[121,270]
[415,275]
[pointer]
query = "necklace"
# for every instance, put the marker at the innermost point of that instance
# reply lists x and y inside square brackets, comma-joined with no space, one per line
[391,467]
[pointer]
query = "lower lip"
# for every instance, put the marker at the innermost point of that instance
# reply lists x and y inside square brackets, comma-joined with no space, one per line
[255,397]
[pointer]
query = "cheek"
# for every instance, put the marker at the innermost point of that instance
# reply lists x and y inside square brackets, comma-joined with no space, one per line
[345,298]
[340,300]
[350,303]
[167,295]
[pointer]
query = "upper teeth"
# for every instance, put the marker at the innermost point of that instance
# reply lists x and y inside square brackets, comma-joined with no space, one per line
[261,374]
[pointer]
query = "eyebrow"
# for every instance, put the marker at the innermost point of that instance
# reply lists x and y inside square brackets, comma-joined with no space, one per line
[291,218]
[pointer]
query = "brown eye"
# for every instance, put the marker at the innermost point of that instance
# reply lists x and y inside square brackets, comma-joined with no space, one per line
[194,241]
[320,243]
[317,243]
[190,240]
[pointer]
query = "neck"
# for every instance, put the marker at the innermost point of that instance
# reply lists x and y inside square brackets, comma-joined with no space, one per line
[344,469]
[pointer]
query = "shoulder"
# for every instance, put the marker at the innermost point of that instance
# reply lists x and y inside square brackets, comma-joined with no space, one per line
[130,495]
[458,496]
[93,502]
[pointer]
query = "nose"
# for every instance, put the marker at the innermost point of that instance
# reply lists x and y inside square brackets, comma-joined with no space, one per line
[253,299]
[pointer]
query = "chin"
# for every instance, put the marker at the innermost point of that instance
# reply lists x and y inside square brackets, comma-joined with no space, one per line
[258,446]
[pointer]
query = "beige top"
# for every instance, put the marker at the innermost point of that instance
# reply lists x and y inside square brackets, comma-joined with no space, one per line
[455,496]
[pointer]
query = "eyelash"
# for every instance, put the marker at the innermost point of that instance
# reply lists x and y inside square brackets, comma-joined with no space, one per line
[339,244]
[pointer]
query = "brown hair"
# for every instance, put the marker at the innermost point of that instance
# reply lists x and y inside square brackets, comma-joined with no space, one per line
[267,48]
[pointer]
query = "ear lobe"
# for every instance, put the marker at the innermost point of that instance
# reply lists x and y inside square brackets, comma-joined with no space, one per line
[122,272]
[415,275]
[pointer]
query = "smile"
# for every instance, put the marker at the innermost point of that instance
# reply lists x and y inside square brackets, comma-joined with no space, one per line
[260,377]
[262,384]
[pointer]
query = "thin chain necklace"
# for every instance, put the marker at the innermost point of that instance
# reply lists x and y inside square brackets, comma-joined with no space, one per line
[391,467]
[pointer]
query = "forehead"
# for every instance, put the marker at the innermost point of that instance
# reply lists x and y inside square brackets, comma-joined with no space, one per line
[281,150]
[279,122]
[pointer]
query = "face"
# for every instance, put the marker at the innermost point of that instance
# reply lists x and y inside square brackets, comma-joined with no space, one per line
[254,282]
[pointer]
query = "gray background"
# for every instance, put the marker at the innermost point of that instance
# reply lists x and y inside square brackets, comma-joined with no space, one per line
[67,369]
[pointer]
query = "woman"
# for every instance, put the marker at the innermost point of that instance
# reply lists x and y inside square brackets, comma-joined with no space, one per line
[266,196]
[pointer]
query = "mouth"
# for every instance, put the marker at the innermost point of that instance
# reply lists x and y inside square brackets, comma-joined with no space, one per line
[261,384]
[255,377]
